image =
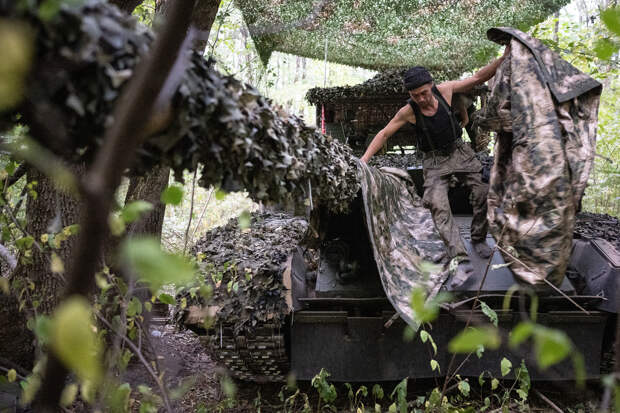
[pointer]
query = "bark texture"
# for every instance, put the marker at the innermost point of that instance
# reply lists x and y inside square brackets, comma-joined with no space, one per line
[47,212]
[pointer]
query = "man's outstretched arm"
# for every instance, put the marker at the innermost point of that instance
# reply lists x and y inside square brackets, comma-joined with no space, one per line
[380,138]
[478,78]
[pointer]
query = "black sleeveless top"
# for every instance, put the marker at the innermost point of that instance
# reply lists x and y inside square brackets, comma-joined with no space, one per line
[438,132]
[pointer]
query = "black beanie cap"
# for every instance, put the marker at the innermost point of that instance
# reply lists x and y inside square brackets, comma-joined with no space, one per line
[416,77]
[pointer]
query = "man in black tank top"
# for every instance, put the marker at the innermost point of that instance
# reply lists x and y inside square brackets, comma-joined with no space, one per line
[446,157]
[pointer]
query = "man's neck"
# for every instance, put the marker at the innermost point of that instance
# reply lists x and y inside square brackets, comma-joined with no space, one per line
[430,109]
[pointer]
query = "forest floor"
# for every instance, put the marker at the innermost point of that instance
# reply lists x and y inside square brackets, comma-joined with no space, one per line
[184,360]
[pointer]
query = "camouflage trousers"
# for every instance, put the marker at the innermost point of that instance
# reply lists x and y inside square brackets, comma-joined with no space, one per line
[439,173]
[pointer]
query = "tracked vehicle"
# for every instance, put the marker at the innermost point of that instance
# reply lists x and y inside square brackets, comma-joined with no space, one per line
[340,317]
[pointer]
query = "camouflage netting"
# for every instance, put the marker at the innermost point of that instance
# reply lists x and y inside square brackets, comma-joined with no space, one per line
[382,34]
[590,226]
[385,84]
[394,160]
[85,55]
[245,268]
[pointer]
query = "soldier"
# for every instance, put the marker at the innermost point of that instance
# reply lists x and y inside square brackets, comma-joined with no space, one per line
[446,157]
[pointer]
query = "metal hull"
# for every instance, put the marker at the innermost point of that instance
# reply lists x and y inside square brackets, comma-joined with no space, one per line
[362,349]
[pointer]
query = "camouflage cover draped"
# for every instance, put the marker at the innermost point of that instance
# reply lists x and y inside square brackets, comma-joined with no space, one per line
[545,113]
[402,235]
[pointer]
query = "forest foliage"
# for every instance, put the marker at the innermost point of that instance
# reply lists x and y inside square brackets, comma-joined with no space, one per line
[589,39]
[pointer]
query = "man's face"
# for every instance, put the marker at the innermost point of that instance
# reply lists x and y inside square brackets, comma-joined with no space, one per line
[422,95]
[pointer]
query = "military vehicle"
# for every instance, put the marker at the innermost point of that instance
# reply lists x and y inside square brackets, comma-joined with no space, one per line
[340,318]
[348,316]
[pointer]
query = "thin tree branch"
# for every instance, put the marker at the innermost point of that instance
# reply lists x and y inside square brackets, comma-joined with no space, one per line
[143,360]
[549,402]
[191,211]
[204,209]
[12,365]
[17,175]
[131,115]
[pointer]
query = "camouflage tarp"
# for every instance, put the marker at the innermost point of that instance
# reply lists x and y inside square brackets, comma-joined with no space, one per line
[403,237]
[545,112]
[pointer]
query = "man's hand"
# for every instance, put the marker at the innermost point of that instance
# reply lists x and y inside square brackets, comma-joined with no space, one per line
[506,51]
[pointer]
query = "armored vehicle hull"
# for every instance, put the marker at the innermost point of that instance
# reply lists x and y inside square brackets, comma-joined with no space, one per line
[341,319]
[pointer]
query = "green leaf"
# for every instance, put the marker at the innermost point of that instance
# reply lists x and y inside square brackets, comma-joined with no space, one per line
[134,307]
[605,48]
[425,336]
[408,334]
[481,379]
[244,220]
[579,368]
[172,195]
[56,264]
[506,366]
[43,329]
[155,266]
[68,394]
[74,341]
[377,392]
[24,243]
[479,351]
[11,375]
[611,18]
[132,211]
[4,285]
[508,297]
[30,386]
[116,224]
[220,194]
[464,388]
[16,43]
[494,384]
[435,365]
[551,346]
[10,167]
[467,341]
[489,312]
[425,310]
[393,408]
[520,333]
[117,401]
[523,377]
[166,298]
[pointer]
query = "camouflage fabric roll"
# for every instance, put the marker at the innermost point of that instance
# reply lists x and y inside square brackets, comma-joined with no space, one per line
[402,235]
[545,113]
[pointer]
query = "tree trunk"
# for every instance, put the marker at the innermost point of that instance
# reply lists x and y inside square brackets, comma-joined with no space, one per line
[556,27]
[149,188]
[202,18]
[303,68]
[297,68]
[46,213]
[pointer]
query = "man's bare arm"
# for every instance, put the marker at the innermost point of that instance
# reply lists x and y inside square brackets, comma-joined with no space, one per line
[478,78]
[390,129]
